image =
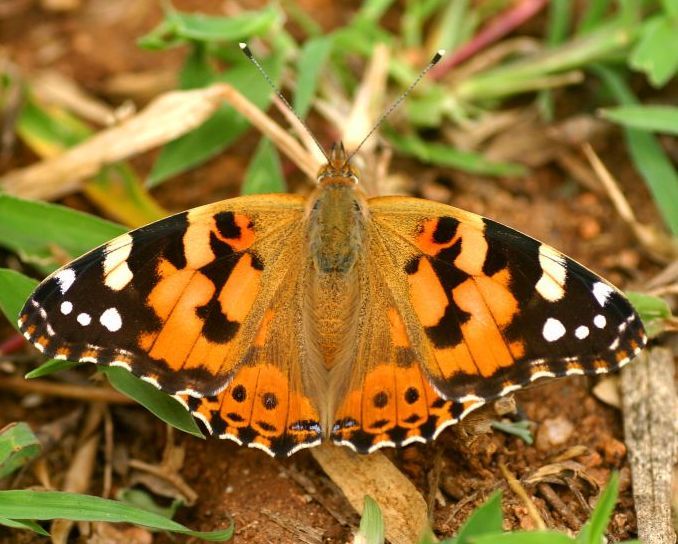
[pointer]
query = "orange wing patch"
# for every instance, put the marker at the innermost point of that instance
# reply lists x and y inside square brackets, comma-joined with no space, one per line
[260,409]
[395,406]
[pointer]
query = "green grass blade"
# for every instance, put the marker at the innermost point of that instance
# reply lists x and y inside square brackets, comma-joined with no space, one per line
[594,529]
[14,290]
[179,27]
[656,53]
[647,155]
[155,401]
[594,14]
[485,519]
[371,529]
[33,229]
[48,505]
[18,446]
[23,524]
[523,537]
[649,307]
[220,130]
[443,155]
[50,367]
[662,119]
[264,174]
[312,60]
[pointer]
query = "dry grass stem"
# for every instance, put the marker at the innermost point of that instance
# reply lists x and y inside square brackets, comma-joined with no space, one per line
[368,102]
[519,490]
[653,241]
[77,392]
[166,118]
[53,87]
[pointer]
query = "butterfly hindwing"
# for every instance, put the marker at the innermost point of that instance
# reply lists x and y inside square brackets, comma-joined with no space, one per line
[177,302]
[494,308]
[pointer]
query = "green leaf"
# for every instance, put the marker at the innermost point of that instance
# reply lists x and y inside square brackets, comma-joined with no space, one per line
[651,118]
[656,53]
[312,60]
[141,499]
[178,28]
[220,130]
[50,367]
[594,13]
[23,524]
[485,519]
[34,229]
[48,505]
[372,10]
[521,429]
[155,401]
[371,523]
[264,174]
[443,155]
[523,537]
[648,306]
[594,529]
[647,155]
[18,446]
[15,288]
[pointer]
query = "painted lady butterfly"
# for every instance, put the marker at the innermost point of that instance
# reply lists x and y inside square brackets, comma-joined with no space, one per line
[281,321]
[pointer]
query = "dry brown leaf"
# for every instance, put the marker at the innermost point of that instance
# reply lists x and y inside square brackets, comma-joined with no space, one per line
[403,507]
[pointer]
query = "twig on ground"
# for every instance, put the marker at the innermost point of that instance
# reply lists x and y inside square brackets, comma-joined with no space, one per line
[18,384]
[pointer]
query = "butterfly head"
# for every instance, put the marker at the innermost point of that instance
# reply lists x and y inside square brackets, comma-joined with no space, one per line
[338,169]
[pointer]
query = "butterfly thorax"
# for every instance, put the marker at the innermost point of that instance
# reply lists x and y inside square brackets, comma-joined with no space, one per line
[336,227]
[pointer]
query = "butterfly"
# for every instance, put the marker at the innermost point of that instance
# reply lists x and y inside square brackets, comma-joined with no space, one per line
[281,322]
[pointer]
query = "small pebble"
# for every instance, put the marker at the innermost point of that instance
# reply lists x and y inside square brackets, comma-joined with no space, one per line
[553,432]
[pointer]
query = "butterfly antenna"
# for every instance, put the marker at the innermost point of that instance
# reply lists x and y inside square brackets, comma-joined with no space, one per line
[248,53]
[436,58]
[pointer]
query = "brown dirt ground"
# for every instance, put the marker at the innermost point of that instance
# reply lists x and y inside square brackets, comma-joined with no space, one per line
[262,495]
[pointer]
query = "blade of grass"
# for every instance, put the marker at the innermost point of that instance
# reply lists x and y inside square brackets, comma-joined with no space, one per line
[312,59]
[646,153]
[484,519]
[662,119]
[50,367]
[594,13]
[556,32]
[524,537]
[23,524]
[155,401]
[35,229]
[443,155]
[48,505]
[220,130]
[655,54]
[18,446]
[14,290]
[371,529]
[178,28]
[264,174]
[594,529]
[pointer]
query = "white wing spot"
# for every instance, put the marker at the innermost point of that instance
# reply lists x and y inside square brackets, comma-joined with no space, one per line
[65,277]
[66,307]
[615,344]
[553,330]
[111,319]
[551,285]
[602,292]
[581,332]
[116,271]
[600,321]
[84,319]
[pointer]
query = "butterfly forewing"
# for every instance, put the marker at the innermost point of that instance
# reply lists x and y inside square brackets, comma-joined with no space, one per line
[496,308]
[176,302]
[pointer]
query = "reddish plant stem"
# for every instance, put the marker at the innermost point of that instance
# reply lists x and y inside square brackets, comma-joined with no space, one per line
[497,28]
